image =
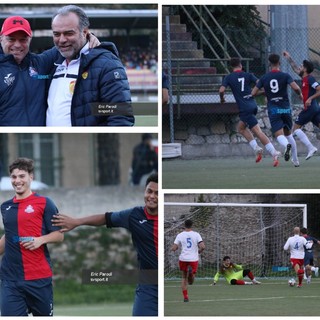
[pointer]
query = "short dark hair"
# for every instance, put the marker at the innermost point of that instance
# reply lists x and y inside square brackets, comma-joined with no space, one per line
[304,230]
[146,136]
[22,164]
[83,18]
[274,58]
[235,62]
[188,223]
[225,258]
[308,65]
[152,178]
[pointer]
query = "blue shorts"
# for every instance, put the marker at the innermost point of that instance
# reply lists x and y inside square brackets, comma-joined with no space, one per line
[249,117]
[308,259]
[146,301]
[19,298]
[279,118]
[310,114]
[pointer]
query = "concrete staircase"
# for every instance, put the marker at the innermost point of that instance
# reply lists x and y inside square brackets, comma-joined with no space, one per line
[191,71]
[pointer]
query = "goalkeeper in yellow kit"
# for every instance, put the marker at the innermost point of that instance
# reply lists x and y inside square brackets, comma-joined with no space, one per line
[234,273]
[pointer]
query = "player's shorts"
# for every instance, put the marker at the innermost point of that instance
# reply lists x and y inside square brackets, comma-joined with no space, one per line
[237,276]
[183,265]
[18,298]
[298,262]
[146,301]
[308,259]
[311,114]
[249,117]
[279,118]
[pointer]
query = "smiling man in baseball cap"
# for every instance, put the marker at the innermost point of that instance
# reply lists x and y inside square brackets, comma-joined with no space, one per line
[16,37]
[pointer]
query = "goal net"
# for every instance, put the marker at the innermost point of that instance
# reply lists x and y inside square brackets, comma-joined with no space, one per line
[253,235]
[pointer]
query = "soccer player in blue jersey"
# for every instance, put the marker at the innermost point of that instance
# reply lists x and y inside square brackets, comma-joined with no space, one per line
[311,110]
[275,84]
[26,274]
[308,255]
[142,222]
[240,84]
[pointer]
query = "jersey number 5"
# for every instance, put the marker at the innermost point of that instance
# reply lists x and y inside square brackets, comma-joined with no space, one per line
[189,243]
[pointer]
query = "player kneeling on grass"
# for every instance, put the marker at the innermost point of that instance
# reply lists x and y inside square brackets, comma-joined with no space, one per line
[191,245]
[234,273]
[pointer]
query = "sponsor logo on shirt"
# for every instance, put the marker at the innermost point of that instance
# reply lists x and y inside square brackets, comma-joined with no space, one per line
[16,239]
[9,79]
[142,221]
[29,209]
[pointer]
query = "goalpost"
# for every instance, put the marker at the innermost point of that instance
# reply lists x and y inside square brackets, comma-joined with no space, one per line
[252,234]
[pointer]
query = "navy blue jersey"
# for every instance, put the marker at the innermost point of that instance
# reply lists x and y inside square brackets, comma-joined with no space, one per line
[309,238]
[275,84]
[22,220]
[240,84]
[144,231]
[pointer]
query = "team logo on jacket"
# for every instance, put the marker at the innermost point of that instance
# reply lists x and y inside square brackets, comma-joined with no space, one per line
[85,75]
[9,79]
[117,75]
[71,86]
[33,72]
[29,209]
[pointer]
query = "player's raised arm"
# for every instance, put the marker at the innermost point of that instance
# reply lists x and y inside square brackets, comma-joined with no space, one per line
[68,223]
[293,65]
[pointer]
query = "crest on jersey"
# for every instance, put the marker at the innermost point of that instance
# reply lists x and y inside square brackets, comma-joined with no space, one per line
[117,75]
[29,209]
[33,72]
[9,79]
[85,75]
[71,86]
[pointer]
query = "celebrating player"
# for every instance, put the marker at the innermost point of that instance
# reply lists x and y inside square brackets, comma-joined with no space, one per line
[311,111]
[234,273]
[191,245]
[26,272]
[308,255]
[239,82]
[296,245]
[142,222]
[275,85]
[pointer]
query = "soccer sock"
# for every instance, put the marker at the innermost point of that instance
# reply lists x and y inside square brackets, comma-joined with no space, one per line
[253,144]
[270,148]
[240,282]
[300,276]
[303,138]
[282,140]
[293,147]
[185,294]
[313,268]
[250,275]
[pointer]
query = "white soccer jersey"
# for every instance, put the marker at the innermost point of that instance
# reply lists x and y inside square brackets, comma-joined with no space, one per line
[188,240]
[296,245]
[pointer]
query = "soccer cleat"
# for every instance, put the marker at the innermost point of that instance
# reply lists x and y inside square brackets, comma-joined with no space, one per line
[311,152]
[254,281]
[287,153]
[316,271]
[186,300]
[295,163]
[276,159]
[258,152]
[299,285]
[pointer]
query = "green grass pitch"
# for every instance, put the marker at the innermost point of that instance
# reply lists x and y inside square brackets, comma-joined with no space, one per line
[271,298]
[106,309]
[239,173]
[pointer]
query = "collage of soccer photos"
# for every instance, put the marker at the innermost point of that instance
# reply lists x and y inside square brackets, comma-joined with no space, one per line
[209,115]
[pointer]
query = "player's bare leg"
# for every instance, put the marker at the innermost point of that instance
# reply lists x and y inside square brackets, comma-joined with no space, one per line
[268,145]
[247,134]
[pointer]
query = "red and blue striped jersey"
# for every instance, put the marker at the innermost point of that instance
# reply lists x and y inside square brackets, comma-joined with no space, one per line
[24,219]
[309,85]
[144,231]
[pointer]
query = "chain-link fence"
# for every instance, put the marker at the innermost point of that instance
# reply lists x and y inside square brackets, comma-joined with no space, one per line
[196,50]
